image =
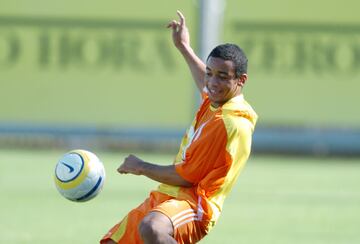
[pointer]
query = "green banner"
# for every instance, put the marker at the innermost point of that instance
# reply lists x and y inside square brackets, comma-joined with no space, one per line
[112,64]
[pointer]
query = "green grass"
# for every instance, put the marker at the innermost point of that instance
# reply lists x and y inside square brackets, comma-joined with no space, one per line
[276,200]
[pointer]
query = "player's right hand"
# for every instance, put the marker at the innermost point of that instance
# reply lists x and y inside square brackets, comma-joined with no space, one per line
[131,165]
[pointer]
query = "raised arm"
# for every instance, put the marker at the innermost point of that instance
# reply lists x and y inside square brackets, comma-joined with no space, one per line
[181,39]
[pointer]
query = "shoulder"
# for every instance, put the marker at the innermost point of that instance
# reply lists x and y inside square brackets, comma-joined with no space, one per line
[237,125]
[239,131]
[239,114]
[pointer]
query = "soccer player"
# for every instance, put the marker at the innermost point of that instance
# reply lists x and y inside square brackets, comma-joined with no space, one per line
[189,200]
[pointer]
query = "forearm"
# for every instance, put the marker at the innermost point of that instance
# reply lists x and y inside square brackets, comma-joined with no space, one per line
[181,38]
[163,174]
[195,64]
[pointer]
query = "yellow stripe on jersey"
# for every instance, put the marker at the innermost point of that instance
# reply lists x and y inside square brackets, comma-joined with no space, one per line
[120,231]
[239,143]
[169,190]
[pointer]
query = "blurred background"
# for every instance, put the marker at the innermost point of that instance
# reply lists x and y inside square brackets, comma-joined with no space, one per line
[104,76]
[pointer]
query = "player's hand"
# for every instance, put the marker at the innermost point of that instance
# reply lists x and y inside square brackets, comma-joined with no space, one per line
[131,165]
[180,32]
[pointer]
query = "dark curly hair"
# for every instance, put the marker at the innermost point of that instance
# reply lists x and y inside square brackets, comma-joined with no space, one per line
[233,53]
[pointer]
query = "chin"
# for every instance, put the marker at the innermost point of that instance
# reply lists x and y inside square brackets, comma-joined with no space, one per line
[216,103]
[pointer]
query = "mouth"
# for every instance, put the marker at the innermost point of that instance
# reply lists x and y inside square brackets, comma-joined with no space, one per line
[214,92]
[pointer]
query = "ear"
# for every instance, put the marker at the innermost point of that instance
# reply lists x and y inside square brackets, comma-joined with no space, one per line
[242,79]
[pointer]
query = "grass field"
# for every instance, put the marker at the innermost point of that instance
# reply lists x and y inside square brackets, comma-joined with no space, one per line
[276,200]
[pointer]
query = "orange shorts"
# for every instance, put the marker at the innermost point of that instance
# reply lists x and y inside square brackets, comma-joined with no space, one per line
[182,213]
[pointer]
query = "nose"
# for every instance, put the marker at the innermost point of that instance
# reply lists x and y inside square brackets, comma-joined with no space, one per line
[213,81]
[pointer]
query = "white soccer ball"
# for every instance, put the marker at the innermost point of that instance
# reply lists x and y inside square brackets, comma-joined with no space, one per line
[79,175]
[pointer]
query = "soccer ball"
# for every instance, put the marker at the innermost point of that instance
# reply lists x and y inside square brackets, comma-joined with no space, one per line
[79,175]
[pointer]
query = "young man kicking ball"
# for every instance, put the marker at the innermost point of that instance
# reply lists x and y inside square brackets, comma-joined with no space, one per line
[189,200]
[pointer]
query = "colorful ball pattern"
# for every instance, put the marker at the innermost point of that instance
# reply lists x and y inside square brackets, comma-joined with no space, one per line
[79,175]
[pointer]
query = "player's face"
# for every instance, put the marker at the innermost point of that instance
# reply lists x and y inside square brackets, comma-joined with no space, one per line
[220,81]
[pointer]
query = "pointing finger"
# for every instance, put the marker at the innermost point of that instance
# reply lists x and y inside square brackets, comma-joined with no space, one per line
[182,18]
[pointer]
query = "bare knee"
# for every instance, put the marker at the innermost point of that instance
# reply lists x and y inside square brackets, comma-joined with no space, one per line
[156,228]
[108,241]
[147,229]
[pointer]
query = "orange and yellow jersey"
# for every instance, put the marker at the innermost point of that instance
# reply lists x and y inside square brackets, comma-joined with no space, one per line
[212,154]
